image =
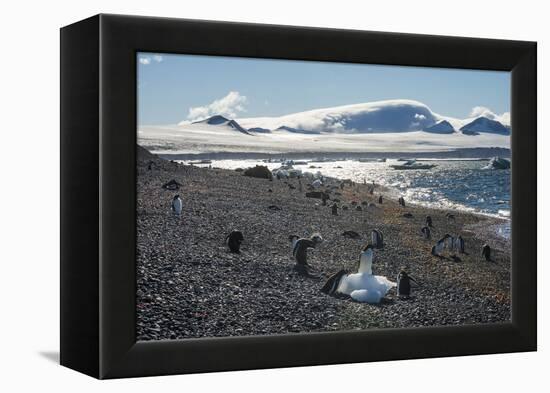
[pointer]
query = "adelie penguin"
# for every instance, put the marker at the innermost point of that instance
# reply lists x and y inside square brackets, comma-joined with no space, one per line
[177,205]
[404,284]
[486,252]
[377,238]
[234,240]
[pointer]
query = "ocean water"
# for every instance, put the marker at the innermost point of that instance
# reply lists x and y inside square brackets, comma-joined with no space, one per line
[460,185]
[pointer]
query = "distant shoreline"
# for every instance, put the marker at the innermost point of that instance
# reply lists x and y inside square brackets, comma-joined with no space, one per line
[457,153]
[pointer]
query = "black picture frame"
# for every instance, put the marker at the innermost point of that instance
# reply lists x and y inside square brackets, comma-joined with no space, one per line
[98,190]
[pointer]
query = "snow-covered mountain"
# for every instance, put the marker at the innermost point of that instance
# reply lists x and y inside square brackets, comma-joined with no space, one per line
[383,126]
[219,120]
[442,127]
[483,124]
[370,117]
[389,116]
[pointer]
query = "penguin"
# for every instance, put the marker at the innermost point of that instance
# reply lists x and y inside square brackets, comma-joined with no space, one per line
[459,244]
[300,185]
[150,166]
[449,242]
[177,205]
[401,201]
[334,209]
[426,232]
[408,215]
[486,252]
[439,246]
[429,221]
[234,240]
[362,286]
[450,217]
[300,246]
[358,208]
[345,207]
[404,284]
[324,198]
[380,199]
[377,238]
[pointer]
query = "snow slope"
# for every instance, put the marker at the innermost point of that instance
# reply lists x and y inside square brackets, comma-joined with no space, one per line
[392,126]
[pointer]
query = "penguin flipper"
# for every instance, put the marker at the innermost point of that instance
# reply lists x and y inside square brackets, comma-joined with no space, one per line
[331,285]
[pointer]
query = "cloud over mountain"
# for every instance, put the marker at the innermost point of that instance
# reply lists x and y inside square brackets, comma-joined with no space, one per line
[228,106]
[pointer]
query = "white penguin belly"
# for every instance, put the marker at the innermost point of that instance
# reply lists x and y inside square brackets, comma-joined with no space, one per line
[364,287]
[177,206]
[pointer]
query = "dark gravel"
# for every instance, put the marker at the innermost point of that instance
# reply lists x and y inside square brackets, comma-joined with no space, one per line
[190,285]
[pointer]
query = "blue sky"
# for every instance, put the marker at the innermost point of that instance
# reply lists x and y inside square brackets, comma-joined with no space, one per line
[173,88]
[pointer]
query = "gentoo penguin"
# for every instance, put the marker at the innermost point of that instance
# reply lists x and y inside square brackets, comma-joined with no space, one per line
[380,200]
[362,286]
[401,201]
[459,244]
[429,221]
[177,205]
[334,209]
[377,238]
[300,246]
[234,240]
[426,233]
[486,252]
[404,284]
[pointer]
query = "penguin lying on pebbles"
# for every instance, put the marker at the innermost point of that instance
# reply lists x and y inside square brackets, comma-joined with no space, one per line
[177,205]
[486,252]
[404,284]
[408,215]
[299,250]
[362,286]
[450,217]
[234,240]
[377,238]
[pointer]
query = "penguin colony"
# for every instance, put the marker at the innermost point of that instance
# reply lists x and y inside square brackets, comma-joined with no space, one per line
[361,286]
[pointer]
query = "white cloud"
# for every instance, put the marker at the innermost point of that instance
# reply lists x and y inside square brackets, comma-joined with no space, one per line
[478,111]
[227,106]
[158,58]
[419,116]
[145,60]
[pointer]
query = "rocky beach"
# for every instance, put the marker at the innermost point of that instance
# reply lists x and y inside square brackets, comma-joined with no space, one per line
[189,285]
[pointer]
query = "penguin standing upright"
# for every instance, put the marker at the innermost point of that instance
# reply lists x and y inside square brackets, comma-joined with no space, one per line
[234,240]
[486,252]
[177,205]
[459,243]
[439,246]
[426,232]
[429,221]
[300,188]
[324,198]
[334,209]
[377,239]
[401,201]
[380,200]
[404,284]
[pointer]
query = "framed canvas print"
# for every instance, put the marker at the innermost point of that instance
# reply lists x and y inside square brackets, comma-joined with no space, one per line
[238,196]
